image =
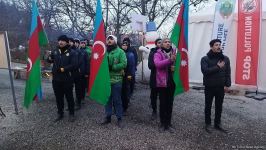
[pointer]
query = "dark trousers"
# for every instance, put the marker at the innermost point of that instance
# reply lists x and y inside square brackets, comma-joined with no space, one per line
[125,95]
[132,85]
[80,87]
[153,96]
[166,96]
[210,93]
[61,90]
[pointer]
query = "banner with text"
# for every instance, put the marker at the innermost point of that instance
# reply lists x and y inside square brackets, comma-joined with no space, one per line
[224,14]
[248,35]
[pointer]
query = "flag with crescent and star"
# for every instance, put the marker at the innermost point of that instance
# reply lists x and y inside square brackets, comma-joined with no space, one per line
[99,81]
[37,38]
[179,39]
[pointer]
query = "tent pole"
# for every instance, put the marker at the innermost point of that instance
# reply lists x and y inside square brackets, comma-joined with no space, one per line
[10,73]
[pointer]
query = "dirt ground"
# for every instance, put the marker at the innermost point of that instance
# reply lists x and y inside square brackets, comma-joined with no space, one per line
[244,118]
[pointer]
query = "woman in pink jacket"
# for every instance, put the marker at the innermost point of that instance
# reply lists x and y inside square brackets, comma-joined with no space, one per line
[164,60]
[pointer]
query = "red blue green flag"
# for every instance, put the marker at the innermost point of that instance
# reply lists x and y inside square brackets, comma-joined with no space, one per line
[179,39]
[37,38]
[99,82]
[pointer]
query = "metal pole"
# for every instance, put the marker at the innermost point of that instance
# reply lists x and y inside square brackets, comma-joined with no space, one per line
[106,20]
[260,48]
[10,73]
[142,65]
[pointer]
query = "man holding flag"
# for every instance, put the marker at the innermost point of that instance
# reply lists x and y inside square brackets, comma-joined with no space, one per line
[117,63]
[106,70]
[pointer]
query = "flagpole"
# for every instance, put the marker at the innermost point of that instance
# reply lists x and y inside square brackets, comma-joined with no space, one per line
[10,73]
[259,64]
[142,67]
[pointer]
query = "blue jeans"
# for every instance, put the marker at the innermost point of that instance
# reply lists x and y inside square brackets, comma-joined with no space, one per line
[115,100]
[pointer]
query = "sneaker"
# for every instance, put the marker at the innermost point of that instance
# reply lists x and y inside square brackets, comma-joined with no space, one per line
[120,123]
[125,113]
[153,116]
[106,121]
[207,128]
[161,128]
[83,101]
[60,117]
[170,130]
[219,128]
[171,126]
[71,118]
[78,107]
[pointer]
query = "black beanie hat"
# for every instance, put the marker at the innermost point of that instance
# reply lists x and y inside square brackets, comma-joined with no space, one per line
[63,38]
[71,39]
[77,40]
[125,43]
[127,40]
[157,40]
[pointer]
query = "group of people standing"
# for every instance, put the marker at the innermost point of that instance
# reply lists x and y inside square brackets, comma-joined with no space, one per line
[215,67]
[71,68]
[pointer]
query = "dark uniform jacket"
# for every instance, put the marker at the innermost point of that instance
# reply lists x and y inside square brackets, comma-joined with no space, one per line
[63,59]
[213,75]
[152,67]
[84,67]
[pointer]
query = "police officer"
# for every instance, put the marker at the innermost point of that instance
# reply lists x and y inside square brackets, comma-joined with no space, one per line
[76,43]
[88,49]
[64,62]
[80,75]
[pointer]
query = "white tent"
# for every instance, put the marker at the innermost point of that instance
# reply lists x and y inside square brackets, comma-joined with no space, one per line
[200,31]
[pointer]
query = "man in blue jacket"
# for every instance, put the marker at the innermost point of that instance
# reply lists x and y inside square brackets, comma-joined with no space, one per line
[133,50]
[128,77]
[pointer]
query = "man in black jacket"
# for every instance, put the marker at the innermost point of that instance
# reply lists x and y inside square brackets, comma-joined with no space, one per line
[81,75]
[154,91]
[216,79]
[64,62]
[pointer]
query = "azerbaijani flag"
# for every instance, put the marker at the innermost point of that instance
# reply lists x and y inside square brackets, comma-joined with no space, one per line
[99,81]
[179,38]
[37,38]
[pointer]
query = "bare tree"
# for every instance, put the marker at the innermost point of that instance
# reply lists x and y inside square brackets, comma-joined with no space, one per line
[160,10]
[76,17]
